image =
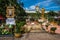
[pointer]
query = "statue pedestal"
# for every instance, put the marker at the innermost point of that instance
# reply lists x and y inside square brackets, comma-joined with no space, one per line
[10,21]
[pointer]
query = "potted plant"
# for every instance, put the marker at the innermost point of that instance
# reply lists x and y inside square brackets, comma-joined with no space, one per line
[17,33]
[18,29]
[52,30]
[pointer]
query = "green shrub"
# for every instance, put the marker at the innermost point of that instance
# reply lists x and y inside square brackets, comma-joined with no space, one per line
[53,28]
[19,26]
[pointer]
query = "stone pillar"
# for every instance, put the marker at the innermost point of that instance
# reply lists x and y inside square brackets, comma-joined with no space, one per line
[42,13]
[37,8]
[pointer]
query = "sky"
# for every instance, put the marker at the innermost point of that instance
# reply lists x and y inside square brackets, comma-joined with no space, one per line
[47,4]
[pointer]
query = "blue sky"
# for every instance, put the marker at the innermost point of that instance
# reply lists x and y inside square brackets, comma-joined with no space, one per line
[47,4]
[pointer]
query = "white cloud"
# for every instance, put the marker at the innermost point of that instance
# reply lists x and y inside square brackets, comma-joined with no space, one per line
[32,7]
[45,3]
[26,8]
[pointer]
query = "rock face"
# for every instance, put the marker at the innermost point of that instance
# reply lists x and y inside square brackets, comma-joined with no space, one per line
[33,27]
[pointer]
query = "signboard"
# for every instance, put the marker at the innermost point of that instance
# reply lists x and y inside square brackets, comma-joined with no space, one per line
[10,21]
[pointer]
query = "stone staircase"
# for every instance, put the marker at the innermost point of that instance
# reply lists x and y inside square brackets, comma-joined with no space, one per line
[38,31]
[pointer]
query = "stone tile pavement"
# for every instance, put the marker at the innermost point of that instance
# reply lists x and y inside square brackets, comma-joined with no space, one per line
[34,36]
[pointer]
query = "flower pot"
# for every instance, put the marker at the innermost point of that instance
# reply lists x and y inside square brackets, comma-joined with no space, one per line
[17,35]
[52,32]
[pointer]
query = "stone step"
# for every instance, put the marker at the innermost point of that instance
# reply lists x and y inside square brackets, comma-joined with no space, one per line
[37,31]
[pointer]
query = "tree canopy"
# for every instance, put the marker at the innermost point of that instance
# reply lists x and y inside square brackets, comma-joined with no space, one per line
[19,11]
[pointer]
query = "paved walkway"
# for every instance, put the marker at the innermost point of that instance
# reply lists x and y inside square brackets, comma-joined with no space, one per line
[35,36]
[58,30]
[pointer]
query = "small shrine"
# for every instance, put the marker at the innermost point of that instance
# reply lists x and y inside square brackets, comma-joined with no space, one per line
[7,29]
[10,15]
[10,11]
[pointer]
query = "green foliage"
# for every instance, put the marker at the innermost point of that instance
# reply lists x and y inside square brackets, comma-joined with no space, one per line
[34,15]
[45,15]
[50,19]
[10,26]
[19,11]
[52,14]
[0,31]
[20,23]
[53,28]
[5,32]
[19,26]
[38,14]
